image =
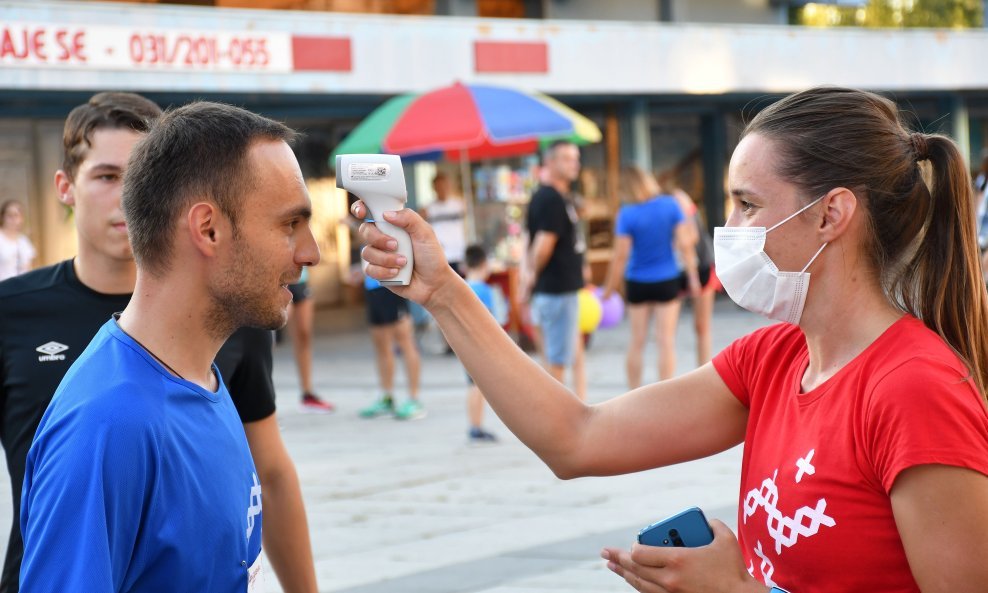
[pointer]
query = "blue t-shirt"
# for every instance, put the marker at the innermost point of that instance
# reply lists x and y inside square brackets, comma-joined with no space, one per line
[138,480]
[483,292]
[651,226]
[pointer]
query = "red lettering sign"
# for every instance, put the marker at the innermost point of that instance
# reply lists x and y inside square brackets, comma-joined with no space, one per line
[40,44]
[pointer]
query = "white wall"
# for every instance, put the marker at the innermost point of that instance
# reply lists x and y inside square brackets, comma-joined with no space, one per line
[393,54]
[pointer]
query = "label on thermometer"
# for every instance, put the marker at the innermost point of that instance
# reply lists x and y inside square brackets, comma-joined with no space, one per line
[369,171]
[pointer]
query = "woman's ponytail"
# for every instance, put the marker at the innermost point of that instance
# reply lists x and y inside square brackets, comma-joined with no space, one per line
[947,285]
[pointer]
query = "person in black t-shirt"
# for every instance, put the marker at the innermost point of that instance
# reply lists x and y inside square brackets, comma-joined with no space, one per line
[554,265]
[48,317]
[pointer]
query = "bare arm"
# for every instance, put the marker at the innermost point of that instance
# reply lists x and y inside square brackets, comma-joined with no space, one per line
[286,532]
[942,516]
[684,238]
[541,251]
[660,424]
[618,263]
[689,211]
[538,252]
[685,418]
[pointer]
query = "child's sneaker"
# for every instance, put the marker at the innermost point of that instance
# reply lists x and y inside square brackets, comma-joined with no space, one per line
[313,404]
[381,407]
[479,436]
[410,410]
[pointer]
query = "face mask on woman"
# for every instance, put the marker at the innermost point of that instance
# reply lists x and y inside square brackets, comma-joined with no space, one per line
[752,279]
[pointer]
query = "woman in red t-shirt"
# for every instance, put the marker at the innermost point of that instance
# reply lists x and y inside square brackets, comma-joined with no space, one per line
[862,414]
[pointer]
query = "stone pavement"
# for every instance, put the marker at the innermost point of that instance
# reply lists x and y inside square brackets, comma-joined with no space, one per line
[410,507]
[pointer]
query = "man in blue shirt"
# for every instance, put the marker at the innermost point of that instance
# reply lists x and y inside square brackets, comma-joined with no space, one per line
[139,477]
[72,299]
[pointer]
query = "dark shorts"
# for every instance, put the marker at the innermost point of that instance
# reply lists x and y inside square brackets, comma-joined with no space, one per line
[703,272]
[653,292]
[385,307]
[299,291]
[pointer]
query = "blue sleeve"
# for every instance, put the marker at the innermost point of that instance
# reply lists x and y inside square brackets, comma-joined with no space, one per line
[370,283]
[623,225]
[484,293]
[86,486]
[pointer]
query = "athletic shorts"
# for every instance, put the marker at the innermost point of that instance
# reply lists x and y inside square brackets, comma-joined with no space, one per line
[385,307]
[299,291]
[662,291]
[557,316]
[703,273]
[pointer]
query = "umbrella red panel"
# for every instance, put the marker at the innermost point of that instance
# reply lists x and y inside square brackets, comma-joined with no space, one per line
[446,119]
[493,151]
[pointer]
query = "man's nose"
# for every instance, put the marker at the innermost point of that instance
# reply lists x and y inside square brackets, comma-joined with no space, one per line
[307,253]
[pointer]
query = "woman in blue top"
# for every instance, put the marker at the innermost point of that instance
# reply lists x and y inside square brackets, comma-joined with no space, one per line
[649,234]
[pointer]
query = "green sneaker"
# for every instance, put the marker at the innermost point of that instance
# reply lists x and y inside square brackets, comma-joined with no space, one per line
[410,410]
[382,407]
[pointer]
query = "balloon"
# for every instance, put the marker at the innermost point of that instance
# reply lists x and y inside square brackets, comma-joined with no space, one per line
[589,311]
[612,309]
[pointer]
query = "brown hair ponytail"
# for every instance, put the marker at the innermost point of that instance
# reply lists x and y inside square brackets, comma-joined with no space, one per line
[919,201]
[943,284]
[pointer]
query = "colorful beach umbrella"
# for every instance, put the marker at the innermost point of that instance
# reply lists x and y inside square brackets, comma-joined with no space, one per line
[467,120]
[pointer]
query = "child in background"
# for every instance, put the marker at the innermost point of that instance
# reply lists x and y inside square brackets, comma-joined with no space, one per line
[475,259]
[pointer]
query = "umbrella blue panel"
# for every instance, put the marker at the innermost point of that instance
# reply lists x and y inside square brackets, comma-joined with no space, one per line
[511,115]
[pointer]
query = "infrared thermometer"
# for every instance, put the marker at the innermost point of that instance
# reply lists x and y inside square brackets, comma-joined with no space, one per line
[379,181]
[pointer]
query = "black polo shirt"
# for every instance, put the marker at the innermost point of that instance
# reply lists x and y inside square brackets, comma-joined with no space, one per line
[47,318]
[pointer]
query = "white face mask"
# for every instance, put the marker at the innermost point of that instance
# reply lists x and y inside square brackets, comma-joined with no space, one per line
[752,279]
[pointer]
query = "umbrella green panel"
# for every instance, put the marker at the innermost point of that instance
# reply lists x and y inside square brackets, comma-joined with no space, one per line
[366,138]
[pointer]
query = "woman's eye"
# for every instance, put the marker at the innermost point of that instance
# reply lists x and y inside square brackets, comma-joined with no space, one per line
[746,206]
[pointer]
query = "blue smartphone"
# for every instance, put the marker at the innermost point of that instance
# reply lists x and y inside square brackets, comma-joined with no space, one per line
[687,529]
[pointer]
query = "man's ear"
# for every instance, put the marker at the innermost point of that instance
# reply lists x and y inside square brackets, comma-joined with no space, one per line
[839,206]
[205,228]
[64,188]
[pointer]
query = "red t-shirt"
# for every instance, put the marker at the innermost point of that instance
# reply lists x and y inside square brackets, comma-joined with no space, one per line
[814,512]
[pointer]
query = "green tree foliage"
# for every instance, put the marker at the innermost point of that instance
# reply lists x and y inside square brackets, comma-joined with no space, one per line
[892,13]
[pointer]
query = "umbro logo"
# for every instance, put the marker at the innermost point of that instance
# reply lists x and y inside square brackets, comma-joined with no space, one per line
[51,351]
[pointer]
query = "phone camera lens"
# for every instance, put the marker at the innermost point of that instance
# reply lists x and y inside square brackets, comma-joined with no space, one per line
[673,533]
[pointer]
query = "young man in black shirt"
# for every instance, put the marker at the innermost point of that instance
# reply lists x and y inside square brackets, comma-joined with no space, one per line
[555,264]
[48,317]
